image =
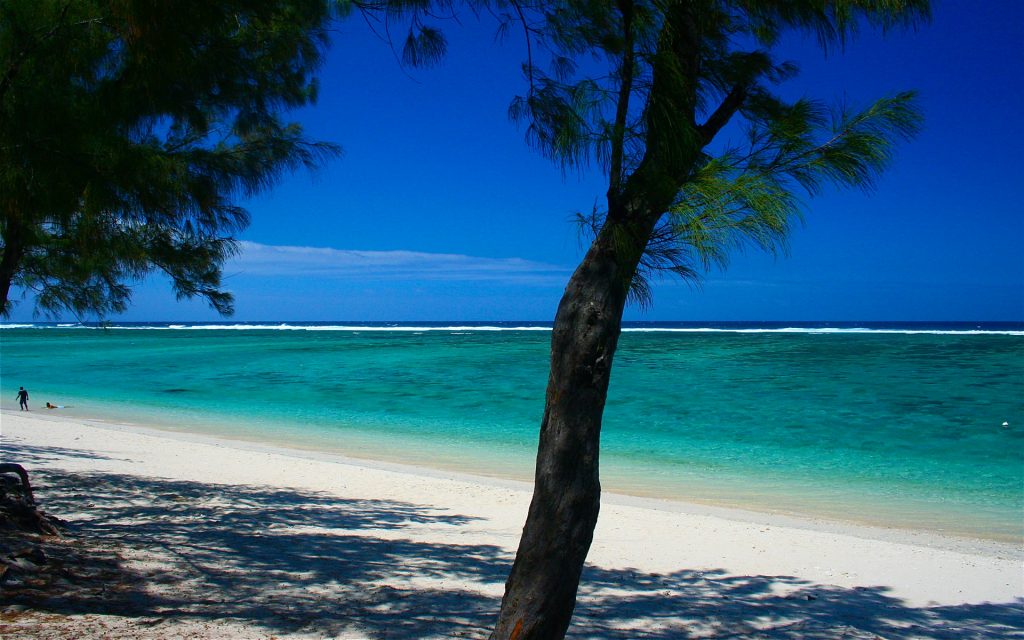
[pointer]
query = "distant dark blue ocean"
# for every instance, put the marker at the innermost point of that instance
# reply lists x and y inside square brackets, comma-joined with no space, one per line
[896,424]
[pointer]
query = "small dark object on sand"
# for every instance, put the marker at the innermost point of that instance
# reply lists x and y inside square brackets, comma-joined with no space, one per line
[18,509]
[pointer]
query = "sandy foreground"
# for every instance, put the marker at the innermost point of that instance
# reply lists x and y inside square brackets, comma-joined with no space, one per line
[194,537]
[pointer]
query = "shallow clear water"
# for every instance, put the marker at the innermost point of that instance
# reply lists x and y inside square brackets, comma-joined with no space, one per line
[890,428]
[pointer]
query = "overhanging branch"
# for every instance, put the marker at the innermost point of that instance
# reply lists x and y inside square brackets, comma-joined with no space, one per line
[725,111]
[622,104]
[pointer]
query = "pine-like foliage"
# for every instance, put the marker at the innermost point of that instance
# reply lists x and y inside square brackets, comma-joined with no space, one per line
[128,131]
[678,103]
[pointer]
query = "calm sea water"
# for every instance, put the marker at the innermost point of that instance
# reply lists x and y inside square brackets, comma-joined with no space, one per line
[894,425]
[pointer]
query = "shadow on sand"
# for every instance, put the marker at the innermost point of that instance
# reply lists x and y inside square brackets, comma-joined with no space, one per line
[290,561]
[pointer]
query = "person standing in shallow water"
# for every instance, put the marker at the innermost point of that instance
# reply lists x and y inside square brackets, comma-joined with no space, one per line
[23,398]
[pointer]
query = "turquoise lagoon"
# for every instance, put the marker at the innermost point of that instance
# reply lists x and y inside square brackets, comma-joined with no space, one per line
[890,425]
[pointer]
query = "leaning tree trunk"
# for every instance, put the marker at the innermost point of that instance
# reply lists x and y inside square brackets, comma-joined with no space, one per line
[540,593]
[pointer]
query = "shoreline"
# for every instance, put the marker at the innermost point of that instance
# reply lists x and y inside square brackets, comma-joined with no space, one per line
[227,539]
[704,497]
[962,543]
[894,534]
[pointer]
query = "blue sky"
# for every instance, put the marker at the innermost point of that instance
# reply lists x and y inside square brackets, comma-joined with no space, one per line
[439,211]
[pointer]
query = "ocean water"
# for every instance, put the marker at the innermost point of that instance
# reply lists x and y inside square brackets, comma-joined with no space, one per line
[891,425]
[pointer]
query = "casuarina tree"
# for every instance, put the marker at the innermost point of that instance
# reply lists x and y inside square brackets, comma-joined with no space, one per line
[678,102]
[128,131]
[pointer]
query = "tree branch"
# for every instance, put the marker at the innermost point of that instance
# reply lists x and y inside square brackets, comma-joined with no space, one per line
[622,107]
[15,67]
[529,45]
[725,111]
[669,114]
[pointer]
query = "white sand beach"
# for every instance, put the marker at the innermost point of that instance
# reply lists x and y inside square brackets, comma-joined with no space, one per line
[225,539]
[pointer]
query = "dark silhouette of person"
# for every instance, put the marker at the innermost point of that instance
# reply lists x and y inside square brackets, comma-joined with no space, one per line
[23,398]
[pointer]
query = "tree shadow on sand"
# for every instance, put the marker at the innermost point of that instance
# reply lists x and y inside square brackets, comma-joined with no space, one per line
[714,604]
[299,561]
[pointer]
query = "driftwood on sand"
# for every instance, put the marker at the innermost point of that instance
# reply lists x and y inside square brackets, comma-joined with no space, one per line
[18,508]
[22,523]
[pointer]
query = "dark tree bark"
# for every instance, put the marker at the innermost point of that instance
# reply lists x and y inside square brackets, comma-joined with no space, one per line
[540,594]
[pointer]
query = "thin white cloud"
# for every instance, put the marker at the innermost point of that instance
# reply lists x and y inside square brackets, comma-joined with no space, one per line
[322,262]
